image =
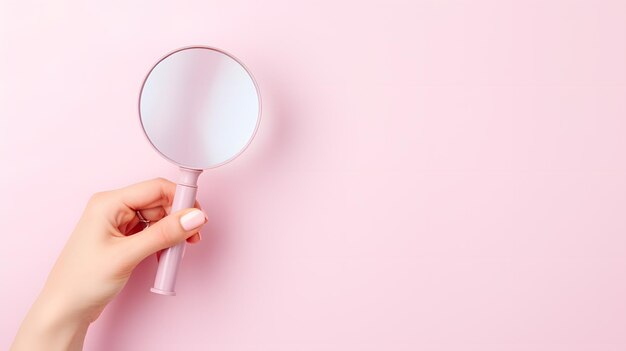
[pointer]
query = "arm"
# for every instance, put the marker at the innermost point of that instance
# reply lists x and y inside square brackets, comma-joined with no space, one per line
[48,326]
[95,264]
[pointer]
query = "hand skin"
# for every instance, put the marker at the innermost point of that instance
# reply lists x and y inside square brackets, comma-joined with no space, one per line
[99,257]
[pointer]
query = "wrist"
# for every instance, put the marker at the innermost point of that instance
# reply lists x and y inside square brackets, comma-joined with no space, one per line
[50,325]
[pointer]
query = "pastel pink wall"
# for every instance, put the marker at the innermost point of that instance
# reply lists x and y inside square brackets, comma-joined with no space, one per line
[428,175]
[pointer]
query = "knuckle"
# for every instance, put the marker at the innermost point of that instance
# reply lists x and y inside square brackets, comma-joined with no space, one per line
[161,180]
[97,198]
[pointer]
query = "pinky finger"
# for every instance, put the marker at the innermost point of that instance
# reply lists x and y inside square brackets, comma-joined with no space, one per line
[194,238]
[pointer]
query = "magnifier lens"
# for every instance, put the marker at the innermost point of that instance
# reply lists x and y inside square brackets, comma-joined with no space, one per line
[199,107]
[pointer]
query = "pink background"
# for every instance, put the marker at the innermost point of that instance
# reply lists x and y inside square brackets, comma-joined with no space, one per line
[428,175]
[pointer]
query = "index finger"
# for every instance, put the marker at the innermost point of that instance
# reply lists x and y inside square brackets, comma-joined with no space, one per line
[147,194]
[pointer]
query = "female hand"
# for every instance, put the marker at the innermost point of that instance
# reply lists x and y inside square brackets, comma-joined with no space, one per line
[107,244]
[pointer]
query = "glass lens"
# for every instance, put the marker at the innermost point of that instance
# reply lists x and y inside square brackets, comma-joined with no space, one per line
[199,107]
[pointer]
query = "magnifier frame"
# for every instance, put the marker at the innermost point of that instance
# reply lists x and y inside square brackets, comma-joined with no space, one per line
[256,88]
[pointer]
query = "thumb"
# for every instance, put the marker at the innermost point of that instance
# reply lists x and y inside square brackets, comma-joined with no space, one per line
[167,232]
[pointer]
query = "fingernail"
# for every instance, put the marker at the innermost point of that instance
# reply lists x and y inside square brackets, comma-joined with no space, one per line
[192,220]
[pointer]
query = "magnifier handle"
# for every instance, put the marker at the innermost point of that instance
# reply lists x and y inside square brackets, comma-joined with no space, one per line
[185,197]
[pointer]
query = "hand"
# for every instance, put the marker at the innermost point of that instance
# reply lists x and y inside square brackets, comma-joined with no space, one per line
[107,244]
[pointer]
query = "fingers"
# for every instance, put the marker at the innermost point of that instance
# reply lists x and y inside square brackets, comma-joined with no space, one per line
[152,214]
[136,224]
[120,205]
[148,194]
[194,238]
[165,233]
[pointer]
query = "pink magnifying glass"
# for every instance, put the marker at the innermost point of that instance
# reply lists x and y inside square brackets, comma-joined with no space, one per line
[199,108]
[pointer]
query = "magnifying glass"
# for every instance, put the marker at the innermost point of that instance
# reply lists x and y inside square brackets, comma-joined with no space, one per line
[199,107]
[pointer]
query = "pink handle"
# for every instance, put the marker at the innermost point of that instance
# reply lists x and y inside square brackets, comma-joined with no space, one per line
[171,258]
